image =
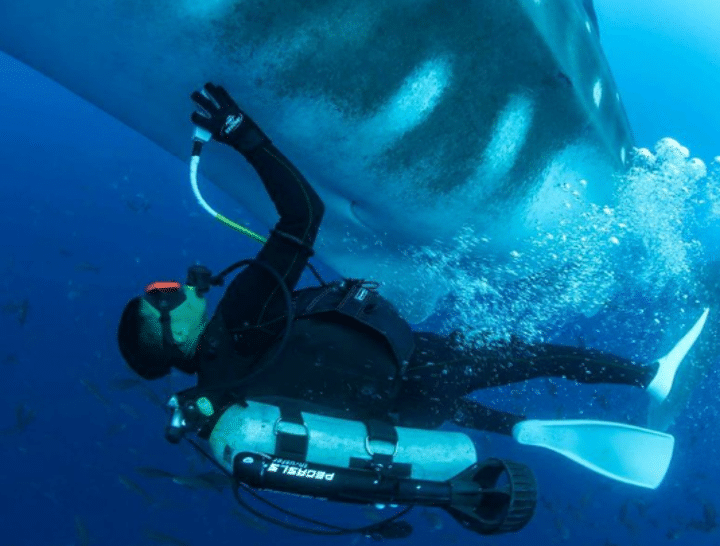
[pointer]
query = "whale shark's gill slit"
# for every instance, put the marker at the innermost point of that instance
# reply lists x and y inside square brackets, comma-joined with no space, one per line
[508,138]
[411,105]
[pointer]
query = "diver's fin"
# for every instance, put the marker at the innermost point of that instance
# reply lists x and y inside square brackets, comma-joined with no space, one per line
[625,453]
[662,413]
[659,388]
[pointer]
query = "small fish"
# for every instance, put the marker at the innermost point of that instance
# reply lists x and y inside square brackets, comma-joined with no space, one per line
[163,538]
[135,488]
[124,383]
[137,204]
[642,508]
[87,266]
[624,518]
[151,472]
[10,360]
[153,398]
[18,308]
[81,531]
[129,410]
[217,479]
[95,391]
[710,514]
[709,521]
[194,482]
[23,417]
[547,503]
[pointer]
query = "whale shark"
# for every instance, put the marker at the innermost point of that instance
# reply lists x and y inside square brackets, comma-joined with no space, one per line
[415,120]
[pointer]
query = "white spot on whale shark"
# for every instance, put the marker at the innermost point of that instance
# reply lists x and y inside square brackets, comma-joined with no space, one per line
[597,93]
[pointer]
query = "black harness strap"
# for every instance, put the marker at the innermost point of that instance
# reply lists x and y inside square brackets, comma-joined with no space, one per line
[359,300]
[289,444]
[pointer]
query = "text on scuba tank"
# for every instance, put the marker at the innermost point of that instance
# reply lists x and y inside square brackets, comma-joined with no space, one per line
[290,462]
[293,470]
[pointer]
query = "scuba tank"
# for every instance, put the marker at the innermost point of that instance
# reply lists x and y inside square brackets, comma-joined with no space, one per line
[339,443]
[280,447]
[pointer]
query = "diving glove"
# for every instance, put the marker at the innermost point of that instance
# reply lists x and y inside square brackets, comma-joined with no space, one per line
[222,117]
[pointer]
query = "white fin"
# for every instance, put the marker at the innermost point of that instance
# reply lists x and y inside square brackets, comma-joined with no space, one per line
[624,453]
[661,385]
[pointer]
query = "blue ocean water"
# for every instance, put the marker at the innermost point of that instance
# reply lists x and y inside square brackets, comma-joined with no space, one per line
[92,211]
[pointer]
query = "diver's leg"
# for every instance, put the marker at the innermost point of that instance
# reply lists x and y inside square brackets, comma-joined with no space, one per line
[666,407]
[440,373]
[671,389]
[471,414]
[439,364]
[582,365]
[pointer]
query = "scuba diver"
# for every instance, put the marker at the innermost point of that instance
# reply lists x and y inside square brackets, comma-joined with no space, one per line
[341,353]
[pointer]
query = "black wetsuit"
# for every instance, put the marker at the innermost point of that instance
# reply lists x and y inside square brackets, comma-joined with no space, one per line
[338,363]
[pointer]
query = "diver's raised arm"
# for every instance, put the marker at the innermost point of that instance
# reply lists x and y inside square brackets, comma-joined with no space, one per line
[254,300]
[297,203]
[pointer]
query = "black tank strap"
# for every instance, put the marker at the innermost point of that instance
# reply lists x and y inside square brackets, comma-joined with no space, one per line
[381,431]
[383,463]
[288,443]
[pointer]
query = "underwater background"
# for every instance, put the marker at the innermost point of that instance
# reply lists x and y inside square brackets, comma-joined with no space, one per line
[91,212]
